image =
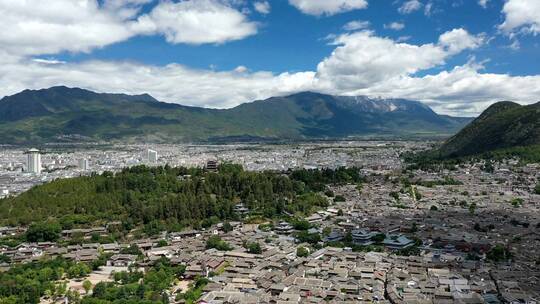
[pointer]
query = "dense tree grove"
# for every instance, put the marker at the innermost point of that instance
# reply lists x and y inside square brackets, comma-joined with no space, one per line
[26,283]
[155,199]
[166,195]
[137,288]
[316,180]
[43,232]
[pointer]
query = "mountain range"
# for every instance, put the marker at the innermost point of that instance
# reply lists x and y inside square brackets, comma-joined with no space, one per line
[73,114]
[504,125]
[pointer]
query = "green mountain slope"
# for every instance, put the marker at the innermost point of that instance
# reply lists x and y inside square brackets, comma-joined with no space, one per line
[68,114]
[503,125]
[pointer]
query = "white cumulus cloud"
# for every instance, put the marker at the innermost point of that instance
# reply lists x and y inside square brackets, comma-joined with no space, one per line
[521,15]
[464,90]
[458,40]
[49,27]
[396,26]
[410,6]
[362,59]
[328,7]
[356,25]
[198,22]
[262,7]
[41,27]
[483,3]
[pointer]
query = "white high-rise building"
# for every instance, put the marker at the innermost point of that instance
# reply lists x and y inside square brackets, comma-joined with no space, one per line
[84,164]
[33,163]
[152,155]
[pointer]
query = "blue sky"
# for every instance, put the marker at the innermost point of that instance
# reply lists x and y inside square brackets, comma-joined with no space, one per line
[456,56]
[289,40]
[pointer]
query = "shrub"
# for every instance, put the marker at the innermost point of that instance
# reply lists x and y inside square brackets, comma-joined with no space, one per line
[87,285]
[472,208]
[339,198]
[132,249]
[378,238]
[498,253]
[4,259]
[394,195]
[300,224]
[516,202]
[305,237]
[302,252]
[217,243]
[254,248]
[78,270]
[266,227]
[227,227]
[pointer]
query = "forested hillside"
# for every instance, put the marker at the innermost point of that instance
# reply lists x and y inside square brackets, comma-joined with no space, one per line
[504,125]
[504,130]
[172,196]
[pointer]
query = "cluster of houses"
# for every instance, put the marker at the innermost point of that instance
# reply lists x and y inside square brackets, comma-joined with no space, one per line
[278,275]
[453,226]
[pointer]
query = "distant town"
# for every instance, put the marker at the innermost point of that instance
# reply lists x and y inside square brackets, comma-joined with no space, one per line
[21,169]
[468,234]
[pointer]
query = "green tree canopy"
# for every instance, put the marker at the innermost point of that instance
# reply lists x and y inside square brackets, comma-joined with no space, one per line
[43,232]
